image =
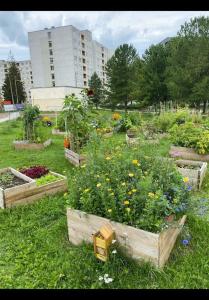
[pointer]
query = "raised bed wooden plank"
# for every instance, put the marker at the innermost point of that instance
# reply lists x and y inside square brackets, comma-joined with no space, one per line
[74,158]
[58,132]
[20,145]
[187,153]
[137,243]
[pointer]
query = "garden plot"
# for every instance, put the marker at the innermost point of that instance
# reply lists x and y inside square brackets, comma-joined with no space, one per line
[187,153]
[13,185]
[138,244]
[194,170]
[20,145]
[23,189]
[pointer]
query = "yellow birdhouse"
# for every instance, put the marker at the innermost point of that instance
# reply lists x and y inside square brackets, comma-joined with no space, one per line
[102,240]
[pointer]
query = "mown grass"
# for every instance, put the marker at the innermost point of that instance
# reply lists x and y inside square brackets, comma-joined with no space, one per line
[34,247]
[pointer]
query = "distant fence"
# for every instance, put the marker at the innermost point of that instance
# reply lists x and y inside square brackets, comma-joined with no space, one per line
[13,107]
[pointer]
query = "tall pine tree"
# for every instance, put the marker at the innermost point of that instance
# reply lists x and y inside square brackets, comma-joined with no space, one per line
[13,87]
[95,84]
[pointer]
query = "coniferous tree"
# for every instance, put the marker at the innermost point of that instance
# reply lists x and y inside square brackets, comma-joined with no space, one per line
[119,74]
[13,87]
[95,84]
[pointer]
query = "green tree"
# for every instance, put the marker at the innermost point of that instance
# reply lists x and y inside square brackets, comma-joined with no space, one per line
[13,87]
[153,74]
[95,84]
[119,73]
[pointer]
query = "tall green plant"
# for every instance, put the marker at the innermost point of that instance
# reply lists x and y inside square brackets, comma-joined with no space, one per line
[30,116]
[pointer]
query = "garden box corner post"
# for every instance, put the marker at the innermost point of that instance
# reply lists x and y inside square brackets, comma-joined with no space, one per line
[138,244]
[75,158]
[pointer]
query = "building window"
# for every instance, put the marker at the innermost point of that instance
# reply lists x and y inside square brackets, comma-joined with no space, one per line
[83,45]
[31,77]
[84,68]
[103,74]
[30,72]
[83,52]
[84,61]
[53,76]
[53,83]
[50,44]
[102,54]
[5,65]
[5,70]
[84,75]
[102,67]
[51,60]
[82,37]
[52,68]
[50,52]
[49,35]
[85,83]
[31,81]
[103,61]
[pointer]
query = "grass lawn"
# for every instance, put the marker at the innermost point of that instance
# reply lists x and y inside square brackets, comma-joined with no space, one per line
[34,247]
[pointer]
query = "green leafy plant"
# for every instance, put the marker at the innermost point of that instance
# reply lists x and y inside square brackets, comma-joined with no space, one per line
[46,179]
[6,178]
[127,187]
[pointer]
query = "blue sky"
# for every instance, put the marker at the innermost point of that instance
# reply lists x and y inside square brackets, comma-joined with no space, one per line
[111,28]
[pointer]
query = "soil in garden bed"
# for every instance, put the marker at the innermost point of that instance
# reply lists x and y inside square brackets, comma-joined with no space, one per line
[189,167]
[9,180]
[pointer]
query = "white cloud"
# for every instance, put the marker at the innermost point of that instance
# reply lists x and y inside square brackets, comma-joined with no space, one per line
[141,28]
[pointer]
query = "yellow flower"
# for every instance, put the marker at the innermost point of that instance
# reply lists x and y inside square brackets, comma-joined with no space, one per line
[126,202]
[86,190]
[98,184]
[97,176]
[186,179]
[109,190]
[107,179]
[151,195]
[109,210]
[107,158]
[134,161]
[130,174]
[83,166]
[130,193]
[128,209]
[123,184]
[134,191]
[112,194]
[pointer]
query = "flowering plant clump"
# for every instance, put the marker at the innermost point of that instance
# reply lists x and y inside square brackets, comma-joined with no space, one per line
[116,116]
[130,188]
[35,171]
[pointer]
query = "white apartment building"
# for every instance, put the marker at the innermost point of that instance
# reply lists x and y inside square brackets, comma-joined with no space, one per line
[25,73]
[66,56]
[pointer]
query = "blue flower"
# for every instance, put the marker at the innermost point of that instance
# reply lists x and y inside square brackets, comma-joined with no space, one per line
[185,242]
[189,188]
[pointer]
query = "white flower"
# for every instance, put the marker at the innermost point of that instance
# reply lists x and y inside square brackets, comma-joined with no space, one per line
[100,278]
[106,275]
[113,241]
[108,280]
[114,251]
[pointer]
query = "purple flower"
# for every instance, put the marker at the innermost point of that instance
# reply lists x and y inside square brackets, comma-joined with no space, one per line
[175,154]
[185,242]
[189,188]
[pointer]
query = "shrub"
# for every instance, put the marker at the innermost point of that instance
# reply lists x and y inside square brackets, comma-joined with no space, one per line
[189,135]
[127,187]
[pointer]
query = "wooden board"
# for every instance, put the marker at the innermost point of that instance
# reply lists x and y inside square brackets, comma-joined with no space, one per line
[31,146]
[1,198]
[74,158]
[187,153]
[58,132]
[138,244]
[167,240]
[131,141]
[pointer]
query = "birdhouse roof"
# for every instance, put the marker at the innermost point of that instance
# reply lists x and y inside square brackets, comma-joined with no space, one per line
[106,231]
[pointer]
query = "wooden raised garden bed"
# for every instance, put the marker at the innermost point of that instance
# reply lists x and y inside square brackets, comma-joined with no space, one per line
[58,132]
[108,134]
[187,153]
[137,243]
[131,141]
[29,191]
[18,187]
[194,170]
[20,145]
[75,158]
